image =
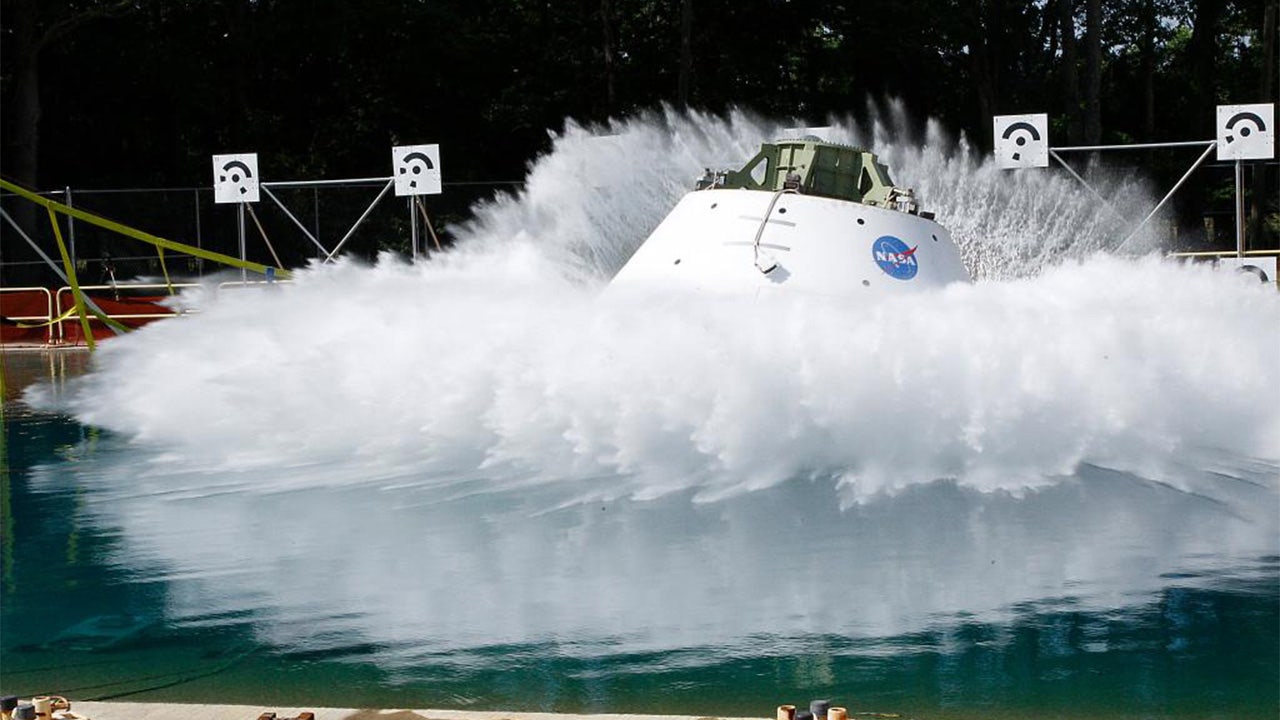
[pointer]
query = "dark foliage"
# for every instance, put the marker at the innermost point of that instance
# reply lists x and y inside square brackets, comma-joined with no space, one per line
[111,93]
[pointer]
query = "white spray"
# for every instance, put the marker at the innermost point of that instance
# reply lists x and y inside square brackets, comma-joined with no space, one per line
[534,450]
[495,361]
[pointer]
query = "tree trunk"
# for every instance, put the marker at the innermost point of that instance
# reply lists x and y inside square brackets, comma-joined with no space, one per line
[1269,59]
[984,51]
[1093,73]
[1148,51]
[1070,80]
[242,50]
[22,159]
[606,26]
[685,80]
[1049,33]
[1266,90]
[28,37]
[1202,49]
[25,113]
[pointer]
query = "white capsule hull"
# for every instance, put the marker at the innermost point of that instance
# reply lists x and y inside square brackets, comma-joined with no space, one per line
[720,242]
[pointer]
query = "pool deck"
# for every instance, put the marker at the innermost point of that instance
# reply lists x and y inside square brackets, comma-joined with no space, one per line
[170,711]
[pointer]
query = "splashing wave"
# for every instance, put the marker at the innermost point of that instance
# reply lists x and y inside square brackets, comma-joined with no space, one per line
[496,362]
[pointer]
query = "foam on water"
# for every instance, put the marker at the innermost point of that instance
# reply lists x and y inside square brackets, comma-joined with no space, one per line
[495,363]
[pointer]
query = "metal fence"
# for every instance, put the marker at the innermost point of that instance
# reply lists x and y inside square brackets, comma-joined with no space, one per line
[296,222]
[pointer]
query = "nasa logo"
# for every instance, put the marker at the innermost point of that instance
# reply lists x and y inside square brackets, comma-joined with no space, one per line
[894,257]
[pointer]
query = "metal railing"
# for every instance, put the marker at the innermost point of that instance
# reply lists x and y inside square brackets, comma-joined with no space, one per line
[60,307]
[66,290]
[46,318]
[1264,264]
[305,220]
[60,310]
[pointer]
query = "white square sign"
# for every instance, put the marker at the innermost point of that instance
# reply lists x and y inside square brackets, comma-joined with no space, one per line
[1247,132]
[1021,141]
[416,169]
[235,178]
[1261,269]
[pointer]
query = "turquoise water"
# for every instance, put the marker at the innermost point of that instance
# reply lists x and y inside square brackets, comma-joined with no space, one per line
[925,604]
[471,483]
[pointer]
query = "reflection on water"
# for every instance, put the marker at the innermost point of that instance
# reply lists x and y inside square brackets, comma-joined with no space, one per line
[1105,592]
[427,570]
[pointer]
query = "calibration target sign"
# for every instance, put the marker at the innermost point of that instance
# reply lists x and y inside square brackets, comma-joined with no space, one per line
[1022,141]
[1247,132]
[416,169]
[235,178]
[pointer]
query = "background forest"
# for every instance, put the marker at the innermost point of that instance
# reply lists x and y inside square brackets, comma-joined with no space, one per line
[110,93]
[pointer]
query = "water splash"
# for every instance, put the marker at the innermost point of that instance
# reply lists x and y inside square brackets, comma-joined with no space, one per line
[539,456]
[593,199]
[496,363]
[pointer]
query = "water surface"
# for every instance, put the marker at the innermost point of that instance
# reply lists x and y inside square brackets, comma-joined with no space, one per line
[470,483]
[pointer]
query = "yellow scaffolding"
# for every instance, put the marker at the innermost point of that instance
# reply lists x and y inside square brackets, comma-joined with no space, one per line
[83,308]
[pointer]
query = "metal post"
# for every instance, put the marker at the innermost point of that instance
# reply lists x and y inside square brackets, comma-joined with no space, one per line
[316,195]
[413,228]
[199,261]
[244,273]
[1187,174]
[385,188]
[71,226]
[1208,145]
[1239,208]
[54,265]
[1087,186]
[289,214]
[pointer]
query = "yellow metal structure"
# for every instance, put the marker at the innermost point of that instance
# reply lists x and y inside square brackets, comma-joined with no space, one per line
[82,307]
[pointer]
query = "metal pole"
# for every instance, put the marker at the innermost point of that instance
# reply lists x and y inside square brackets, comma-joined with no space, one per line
[1135,146]
[316,194]
[288,213]
[71,227]
[199,261]
[1239,208]
[1087,186]
[374,181]
[57,270]
[385,188]
[1168,195]
[244,274]
[413,228]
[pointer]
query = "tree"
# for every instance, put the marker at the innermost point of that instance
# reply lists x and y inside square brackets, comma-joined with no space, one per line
[610,73]
[686,53]
[1070,79]
[1093,73]
[321,87]
[37,25]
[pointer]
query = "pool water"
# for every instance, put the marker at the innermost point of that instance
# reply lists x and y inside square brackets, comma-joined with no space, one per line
[469,482]
[1102,596]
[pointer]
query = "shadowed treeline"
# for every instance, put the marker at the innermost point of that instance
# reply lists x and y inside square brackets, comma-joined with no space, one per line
[119,93]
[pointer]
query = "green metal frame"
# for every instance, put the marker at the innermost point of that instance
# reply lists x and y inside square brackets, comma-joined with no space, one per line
[823,169]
